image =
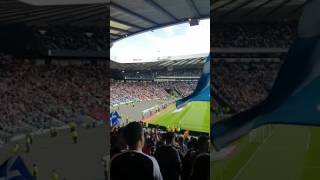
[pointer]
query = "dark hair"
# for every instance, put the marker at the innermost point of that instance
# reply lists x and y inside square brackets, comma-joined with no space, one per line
[202,141]
[201,167]
[133,133]
[169,137]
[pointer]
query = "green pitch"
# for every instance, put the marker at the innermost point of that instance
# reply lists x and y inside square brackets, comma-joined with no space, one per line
[195,116]
[285,152]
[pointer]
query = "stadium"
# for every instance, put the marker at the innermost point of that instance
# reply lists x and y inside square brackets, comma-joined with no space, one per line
[53,89]
[250,43]
[146,90]
[155,86]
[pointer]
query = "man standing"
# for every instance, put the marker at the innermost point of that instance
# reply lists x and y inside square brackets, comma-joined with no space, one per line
[137,164]
[169,158]
[35,172]
[75,137]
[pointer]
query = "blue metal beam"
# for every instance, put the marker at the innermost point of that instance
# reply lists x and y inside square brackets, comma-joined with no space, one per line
[132,13]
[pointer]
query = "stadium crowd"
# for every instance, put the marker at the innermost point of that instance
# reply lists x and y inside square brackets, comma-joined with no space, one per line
[72,38]
[243,79]
[160,74]
[263,35]
[126,91]
[153,154]
[37,97]
[243,84]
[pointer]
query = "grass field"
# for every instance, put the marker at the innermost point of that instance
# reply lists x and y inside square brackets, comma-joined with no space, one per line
[285,153]
[194,116]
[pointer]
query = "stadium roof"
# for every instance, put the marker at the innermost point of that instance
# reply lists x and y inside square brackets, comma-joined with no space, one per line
[175,64]
[132,17]
[55,13]
[256,10]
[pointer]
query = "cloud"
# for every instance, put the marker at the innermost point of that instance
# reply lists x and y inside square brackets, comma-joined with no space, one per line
[175,40]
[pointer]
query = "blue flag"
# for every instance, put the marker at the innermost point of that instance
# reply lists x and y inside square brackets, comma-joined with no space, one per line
[202,91]
[115,119]
[14,169]
[294,98]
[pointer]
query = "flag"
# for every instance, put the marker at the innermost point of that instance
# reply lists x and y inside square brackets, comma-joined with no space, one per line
[202,91]
[193,111]
[294,98]
[14,169]
[115,119]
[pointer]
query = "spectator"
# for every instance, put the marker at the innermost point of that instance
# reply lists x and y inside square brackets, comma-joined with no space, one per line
[137,164]
[169,158]
[201,167]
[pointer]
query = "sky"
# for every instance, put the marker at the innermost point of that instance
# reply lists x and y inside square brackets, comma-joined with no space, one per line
[177,40]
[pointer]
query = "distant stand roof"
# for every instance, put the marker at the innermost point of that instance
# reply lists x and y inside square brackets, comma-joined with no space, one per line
[188,63]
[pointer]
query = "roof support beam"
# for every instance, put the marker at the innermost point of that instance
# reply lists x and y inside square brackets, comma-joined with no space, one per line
[120,30]
[117,35]
[213,2]
[278,7]
[160,8]
[257,8]
[77,14]
[235,9]
[125,23]
[298,8]
[29,12]
[132,13]
[194,7]
[224,5]
[54,16]
[91,16]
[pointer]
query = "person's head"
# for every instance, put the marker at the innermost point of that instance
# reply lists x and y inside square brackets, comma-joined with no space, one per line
[134,136]
[201,167]
[180,140]
[170,137]
[120,142]
[203,143]
[192,143]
